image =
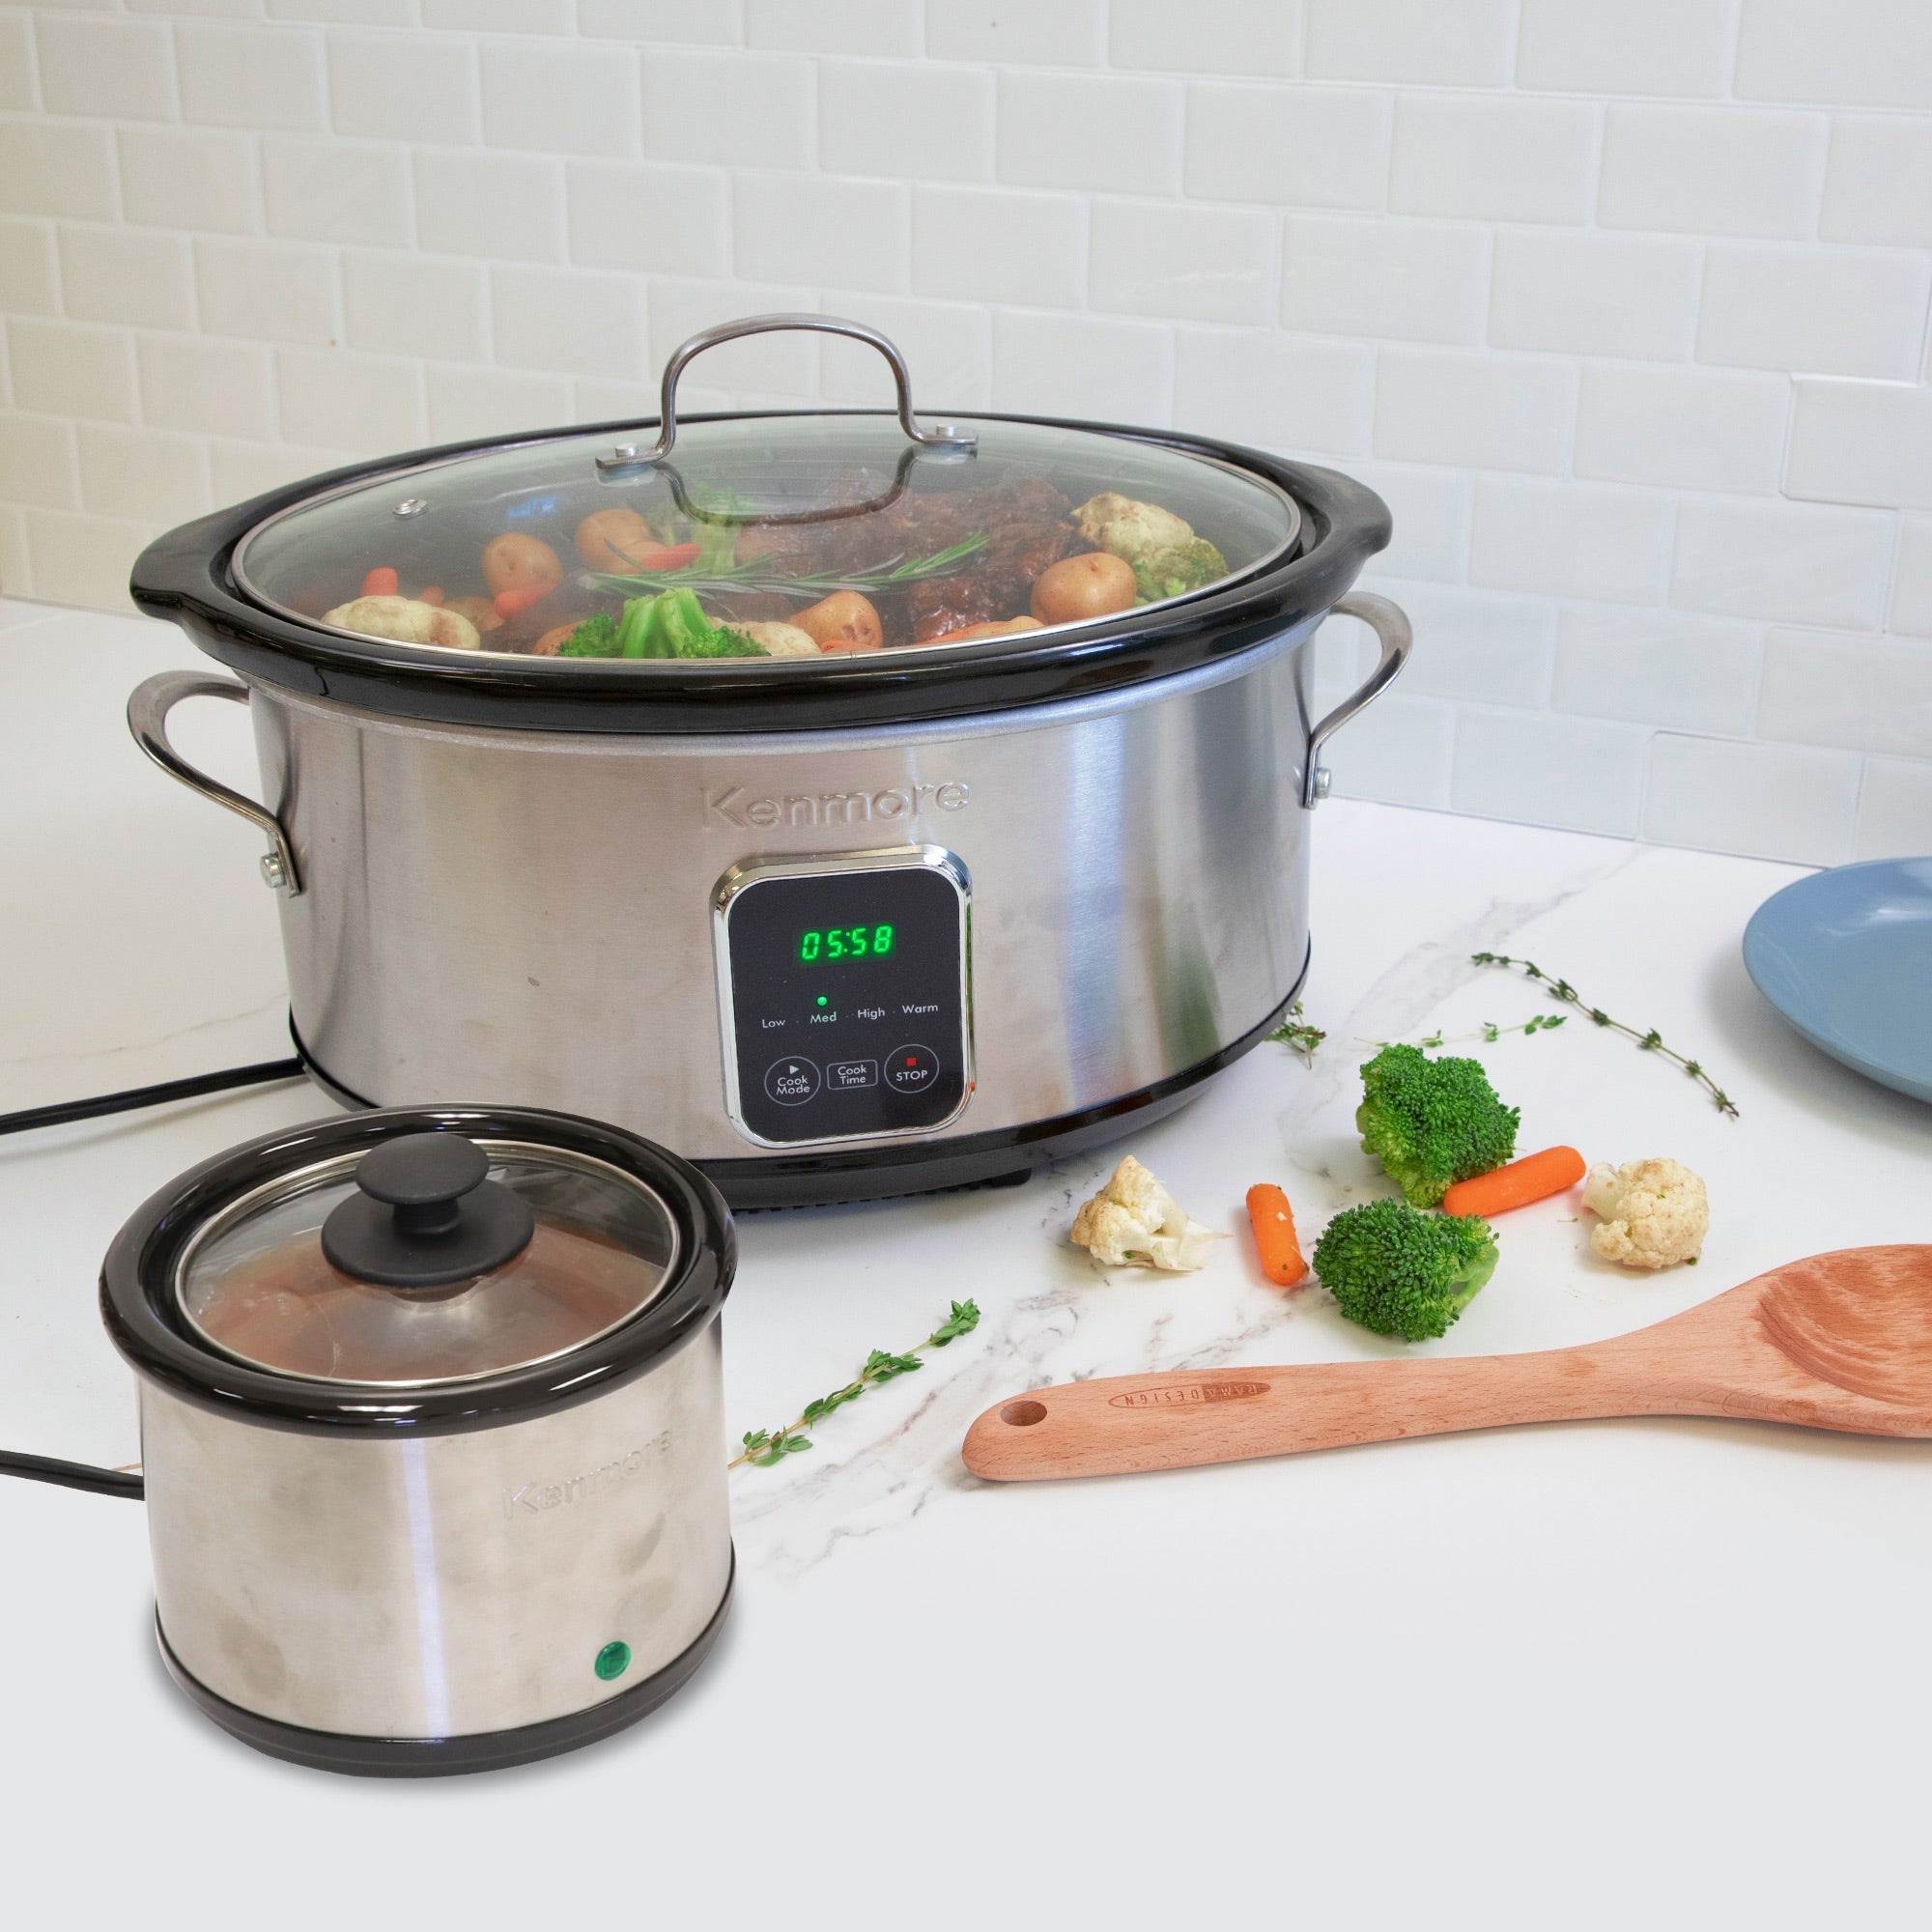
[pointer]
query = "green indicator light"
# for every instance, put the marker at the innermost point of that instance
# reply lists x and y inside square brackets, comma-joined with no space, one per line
[612,1661]
[823,1000]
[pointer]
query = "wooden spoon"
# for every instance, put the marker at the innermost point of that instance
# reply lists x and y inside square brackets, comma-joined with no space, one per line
[1842,1341]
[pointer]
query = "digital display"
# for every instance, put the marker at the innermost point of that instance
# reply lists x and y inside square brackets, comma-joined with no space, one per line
[820,946]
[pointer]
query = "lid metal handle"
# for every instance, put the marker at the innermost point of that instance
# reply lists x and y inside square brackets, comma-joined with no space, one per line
[627,456]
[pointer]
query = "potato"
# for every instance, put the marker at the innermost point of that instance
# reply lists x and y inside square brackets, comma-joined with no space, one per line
[973,632]
[845,621]
[406,621]
[1077,589]
[778,640]
[480,611]
[512,563]
[615,539]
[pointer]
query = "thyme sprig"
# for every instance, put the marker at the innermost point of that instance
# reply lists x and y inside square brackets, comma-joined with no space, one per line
[764,1447]
[718,580]
[1491,1032]
[1651,1041]
[1294,1031]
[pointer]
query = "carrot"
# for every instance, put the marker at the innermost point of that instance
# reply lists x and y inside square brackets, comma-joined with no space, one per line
[1273,1222]
[514,603]
[379,583]
[1533,1177]
[673,556]
[433,595]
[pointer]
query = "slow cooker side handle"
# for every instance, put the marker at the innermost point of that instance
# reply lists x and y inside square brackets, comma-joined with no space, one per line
[1391,627]
[148,711]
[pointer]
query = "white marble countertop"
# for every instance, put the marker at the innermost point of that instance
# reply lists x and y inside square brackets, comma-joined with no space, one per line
[1556,1677]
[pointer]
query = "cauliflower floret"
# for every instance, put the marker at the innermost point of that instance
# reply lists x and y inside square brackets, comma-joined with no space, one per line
[1136,1222]
[777,640]
[1652,1213]
[1128,528]
[406,621]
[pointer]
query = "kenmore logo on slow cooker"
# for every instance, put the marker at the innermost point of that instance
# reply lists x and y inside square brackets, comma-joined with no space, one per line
[833,808]
[536,1497]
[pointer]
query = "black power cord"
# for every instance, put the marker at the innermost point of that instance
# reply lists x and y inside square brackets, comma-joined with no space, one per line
[85,1475]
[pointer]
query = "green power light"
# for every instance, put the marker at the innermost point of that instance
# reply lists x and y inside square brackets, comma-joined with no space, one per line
[823,1000]
[612,1661]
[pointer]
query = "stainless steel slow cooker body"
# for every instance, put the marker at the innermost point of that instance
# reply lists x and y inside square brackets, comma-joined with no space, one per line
[548,879]
[450,1577]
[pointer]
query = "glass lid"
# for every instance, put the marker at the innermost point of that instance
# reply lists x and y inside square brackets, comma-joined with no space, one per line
[430,1259]
[758,537]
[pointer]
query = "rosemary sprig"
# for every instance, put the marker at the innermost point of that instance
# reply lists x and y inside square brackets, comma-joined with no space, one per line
[1651,1041]
[889,576]
[1491,1032]
[765,1446]
[1296,1031]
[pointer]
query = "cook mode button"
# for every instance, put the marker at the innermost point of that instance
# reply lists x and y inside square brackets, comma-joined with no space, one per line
[909,1069]
[841,1073]
[791,1082]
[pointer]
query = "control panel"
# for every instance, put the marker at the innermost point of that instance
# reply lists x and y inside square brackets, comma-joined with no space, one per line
[843,992]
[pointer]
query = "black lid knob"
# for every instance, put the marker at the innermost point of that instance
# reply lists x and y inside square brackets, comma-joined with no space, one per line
[426,1215]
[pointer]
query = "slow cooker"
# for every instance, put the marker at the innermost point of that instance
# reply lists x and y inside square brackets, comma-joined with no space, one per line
[859,804]
[431,1433]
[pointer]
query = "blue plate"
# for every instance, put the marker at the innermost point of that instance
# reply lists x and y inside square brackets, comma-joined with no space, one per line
[1846,956]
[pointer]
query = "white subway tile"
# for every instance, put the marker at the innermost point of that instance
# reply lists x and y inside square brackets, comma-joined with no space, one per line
[805,228]
[403,87]
[127,276]
[327,12]
[70,369]
[1861,442]
[491,16]
[1711,170]
[1474,645]
[83,560]
[1878,181]
[246,469]
[111,69]
[1200,264]
[1764,801]
[986,244]
[1424,281]
[213,387]
[210,9]
[1801,563]
[1397,750]
[1432,510]
[268,291]
[360,403]
[907,123]
[596,399]
[56,167]
[1302,147]
[650,219]
[1439,42]
[28,281]
[1911,595]
[948,347]
[1486,410]
[251,77]
[185,178]
[1657,668]
[1852,53]
[1283,391]
[1571,540]
[1247,36]
[398,304]
[1832,312]
[468,402]
[1045,33]
[1078,365]
[1498,159]
[152,476]
[1849,692]
[17,576]
[17,66]
[784,364]
[323,188]
[1548,770]
[37,463]
[834,26]
[564,99]
[1089,130]
[738,110]
[1693,429]
[696,22]
[576,324]
[501,207]
[1895,810]
[1638,46]
[1595,295]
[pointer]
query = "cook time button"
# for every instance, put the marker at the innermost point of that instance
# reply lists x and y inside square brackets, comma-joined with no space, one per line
[841,1074]
[911,1070]
[791,1082]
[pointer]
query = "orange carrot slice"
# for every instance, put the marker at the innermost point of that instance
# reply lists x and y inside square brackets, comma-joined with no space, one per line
[514,603]
[432,595]
[380,582]
[1534,1177]
[1273,1222]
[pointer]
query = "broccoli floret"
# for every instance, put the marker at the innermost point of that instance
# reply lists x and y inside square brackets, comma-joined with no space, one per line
[1432,1122]
[594,637]
[1179,569]
[674,625]
[1398,1271]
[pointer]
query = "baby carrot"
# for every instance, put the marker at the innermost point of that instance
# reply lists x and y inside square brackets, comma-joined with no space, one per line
[514,603]
[1532,1179]
[433,595]
[379,583]
[1273,1222]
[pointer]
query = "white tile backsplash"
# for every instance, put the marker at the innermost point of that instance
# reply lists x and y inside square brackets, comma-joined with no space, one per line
[1623,310]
